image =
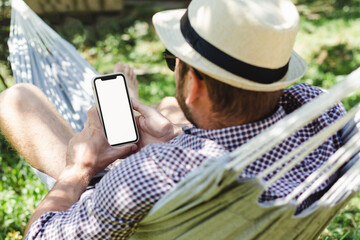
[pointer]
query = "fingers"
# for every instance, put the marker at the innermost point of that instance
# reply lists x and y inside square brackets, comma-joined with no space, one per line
[150,118]
[141,123]
[93,114]
[142,108]
[92,111]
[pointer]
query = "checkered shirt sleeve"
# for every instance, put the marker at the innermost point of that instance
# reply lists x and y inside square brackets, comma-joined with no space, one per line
[113,209]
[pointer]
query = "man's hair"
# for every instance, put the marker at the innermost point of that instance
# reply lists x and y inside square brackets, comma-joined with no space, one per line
[228,101]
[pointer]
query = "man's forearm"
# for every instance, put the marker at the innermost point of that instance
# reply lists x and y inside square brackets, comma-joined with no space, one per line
[88,153]
[67,190]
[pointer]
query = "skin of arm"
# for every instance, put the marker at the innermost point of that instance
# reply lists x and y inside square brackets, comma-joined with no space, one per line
[62,196]
[88,153]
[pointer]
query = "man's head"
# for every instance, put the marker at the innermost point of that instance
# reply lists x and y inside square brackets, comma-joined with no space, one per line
[228,105]
[239,46]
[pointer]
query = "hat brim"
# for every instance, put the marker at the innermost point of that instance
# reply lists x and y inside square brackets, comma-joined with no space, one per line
[167,26]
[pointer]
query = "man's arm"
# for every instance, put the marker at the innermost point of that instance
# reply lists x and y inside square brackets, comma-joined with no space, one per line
[62,196]
[88,153]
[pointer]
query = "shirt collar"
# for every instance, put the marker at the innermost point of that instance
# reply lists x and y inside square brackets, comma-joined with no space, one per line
[235,136]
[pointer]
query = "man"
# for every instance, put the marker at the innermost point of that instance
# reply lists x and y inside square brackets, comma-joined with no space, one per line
[232,59]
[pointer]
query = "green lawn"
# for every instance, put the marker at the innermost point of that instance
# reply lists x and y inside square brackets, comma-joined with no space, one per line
[329,41]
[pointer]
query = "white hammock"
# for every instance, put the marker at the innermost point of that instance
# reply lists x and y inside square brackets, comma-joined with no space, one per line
[211,203]
[40,56]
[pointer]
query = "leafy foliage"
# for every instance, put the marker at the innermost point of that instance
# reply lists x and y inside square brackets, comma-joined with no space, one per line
[113,39]
[20,192]
[345,225]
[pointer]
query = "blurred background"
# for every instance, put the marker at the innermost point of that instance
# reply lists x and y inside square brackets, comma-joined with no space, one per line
[108,31]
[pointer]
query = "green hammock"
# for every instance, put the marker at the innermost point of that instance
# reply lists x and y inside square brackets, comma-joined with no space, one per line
[211,203]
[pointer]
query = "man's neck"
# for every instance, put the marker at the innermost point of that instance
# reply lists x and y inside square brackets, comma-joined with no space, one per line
[218,120]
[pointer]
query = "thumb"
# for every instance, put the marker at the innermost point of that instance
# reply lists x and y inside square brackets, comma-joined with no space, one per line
[142,123]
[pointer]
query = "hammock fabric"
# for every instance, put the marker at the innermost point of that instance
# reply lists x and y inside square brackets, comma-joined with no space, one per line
[211,203]
[38,55]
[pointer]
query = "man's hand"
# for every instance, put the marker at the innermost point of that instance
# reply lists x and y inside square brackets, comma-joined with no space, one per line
[89,151]
[153,126]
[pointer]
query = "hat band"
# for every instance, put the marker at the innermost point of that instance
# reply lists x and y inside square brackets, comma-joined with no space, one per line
[227,62]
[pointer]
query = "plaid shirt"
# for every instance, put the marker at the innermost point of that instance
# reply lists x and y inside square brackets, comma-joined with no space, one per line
[123,197]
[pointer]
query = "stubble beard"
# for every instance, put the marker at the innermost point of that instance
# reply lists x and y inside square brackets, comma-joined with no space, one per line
[179,95]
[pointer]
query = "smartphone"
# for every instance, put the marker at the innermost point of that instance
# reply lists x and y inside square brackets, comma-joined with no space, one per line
[115,109]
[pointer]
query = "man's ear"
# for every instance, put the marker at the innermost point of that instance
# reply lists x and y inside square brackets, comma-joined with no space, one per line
[195,87]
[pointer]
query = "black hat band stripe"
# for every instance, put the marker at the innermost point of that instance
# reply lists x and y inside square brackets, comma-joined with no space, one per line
[227,62]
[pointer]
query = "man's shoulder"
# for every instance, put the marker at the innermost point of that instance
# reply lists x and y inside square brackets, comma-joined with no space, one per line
[304,88]
[303,93]
[299,95]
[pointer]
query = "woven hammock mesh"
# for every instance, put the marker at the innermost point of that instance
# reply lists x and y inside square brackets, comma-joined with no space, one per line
[40,56]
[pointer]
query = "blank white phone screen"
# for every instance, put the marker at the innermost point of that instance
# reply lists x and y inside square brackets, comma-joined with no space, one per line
[116,110]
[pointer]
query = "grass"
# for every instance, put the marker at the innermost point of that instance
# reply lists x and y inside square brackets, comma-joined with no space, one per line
[20,192]
[329,40]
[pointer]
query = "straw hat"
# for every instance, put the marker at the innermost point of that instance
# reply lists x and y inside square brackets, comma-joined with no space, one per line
[244,43]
